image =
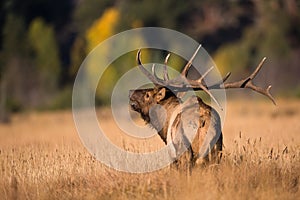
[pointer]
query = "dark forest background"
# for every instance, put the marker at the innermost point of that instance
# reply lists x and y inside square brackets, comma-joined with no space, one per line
[43,42]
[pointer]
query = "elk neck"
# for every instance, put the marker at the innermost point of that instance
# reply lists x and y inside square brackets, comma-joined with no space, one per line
[161,122]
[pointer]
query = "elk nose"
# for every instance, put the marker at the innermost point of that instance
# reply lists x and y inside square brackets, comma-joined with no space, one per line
[133,105]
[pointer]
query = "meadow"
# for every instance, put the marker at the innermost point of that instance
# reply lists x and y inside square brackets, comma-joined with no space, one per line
[41,157]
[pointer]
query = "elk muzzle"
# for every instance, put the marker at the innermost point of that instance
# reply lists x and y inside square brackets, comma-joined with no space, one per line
[134,99]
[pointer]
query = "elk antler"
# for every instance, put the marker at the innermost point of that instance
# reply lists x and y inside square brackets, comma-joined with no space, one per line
[180,85]
[246,83]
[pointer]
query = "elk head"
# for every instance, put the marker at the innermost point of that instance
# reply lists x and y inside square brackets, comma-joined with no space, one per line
[142,100]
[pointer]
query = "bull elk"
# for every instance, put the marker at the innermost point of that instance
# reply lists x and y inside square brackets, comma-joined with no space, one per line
[162,108]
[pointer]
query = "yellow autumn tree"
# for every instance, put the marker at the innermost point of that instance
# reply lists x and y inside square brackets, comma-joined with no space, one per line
[102,28]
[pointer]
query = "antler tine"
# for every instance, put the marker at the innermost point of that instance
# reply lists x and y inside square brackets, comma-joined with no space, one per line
[188,65]
[247,83]
[226,77]
[259,66]
[211,96]
[154,72]
[259,89]
[198,84]
[144,70]
[262,91]
[166,76]
[217,85]
[270,95]
[205,74]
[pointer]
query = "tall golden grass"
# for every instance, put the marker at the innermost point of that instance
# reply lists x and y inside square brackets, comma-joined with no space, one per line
[41,157]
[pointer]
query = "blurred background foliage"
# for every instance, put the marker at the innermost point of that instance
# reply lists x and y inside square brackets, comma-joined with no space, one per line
[44,42]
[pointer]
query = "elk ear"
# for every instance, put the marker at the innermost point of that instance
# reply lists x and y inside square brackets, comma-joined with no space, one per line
[160,94]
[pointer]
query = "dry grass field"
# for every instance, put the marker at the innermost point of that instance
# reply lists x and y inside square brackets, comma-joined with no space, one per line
[41,157]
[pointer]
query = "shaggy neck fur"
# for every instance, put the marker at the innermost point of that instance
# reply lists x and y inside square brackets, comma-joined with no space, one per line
[161,116]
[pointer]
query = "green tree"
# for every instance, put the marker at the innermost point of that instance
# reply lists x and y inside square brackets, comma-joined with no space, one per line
[77,55]
[45,53]
[266,37]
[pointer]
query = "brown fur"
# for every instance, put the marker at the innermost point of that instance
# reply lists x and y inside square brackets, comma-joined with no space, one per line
[142,100]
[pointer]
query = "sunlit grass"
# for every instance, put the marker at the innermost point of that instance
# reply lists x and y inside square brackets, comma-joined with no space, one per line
[41,157]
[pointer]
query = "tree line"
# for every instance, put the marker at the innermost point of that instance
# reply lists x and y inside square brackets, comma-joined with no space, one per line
[44,42]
